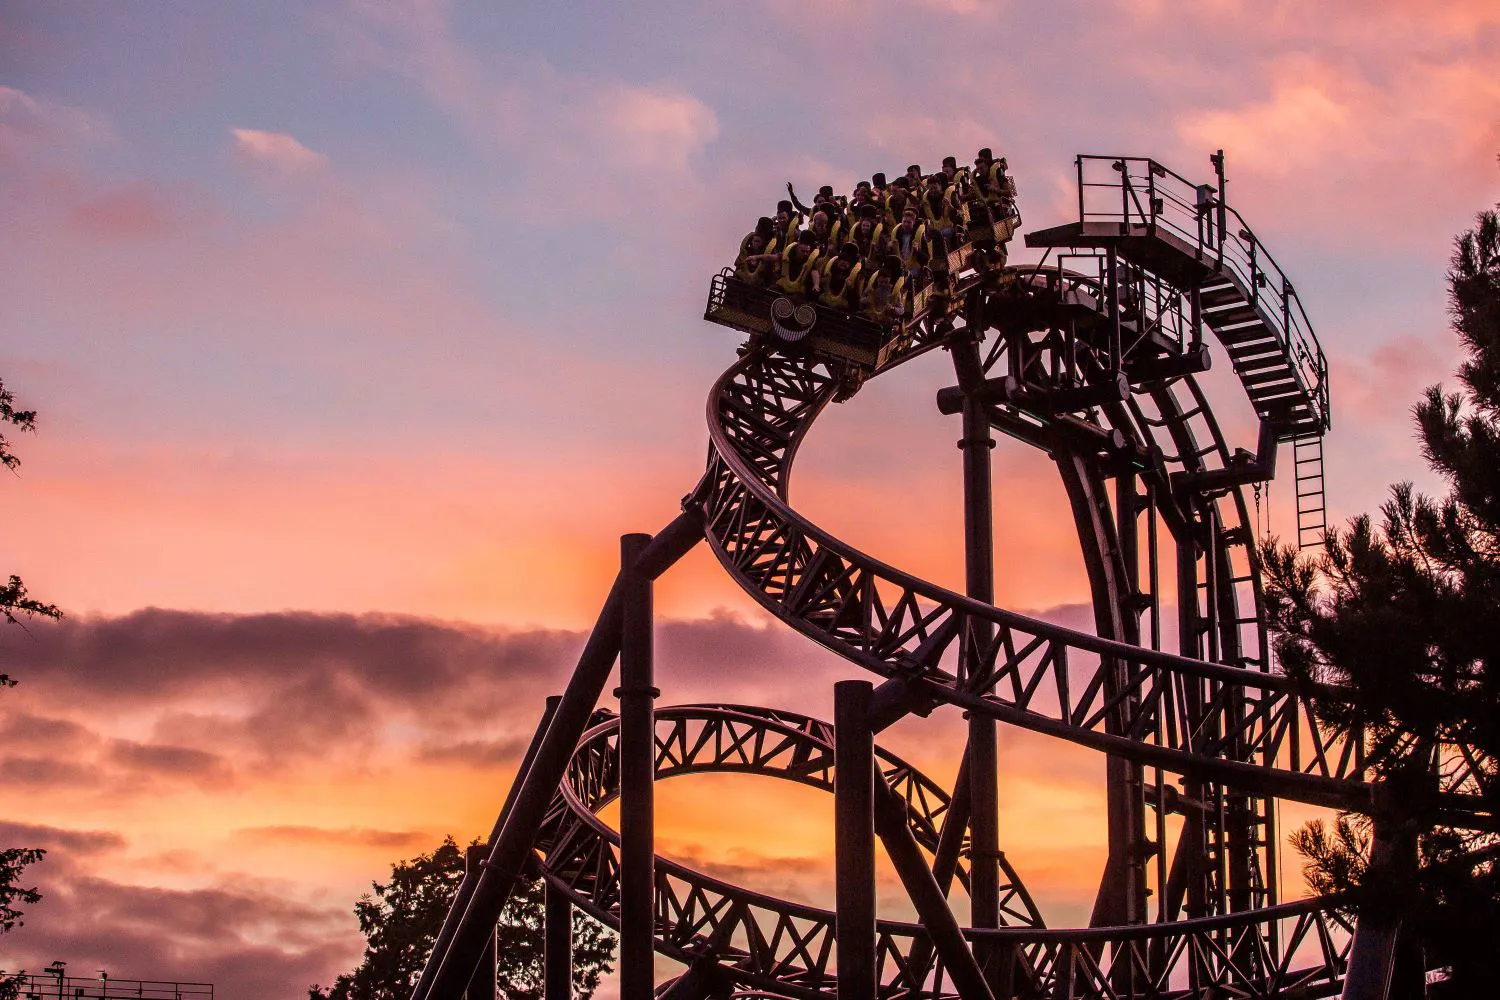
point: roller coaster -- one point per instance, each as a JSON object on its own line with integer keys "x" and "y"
{"x": 1093, "y": 355}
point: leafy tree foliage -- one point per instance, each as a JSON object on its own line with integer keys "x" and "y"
{"x": 401, "y": 920}
{"x": 1403, "y": 616}
{"x": 14, "y": 602}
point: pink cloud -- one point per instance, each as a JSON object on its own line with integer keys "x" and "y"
{"x": 277, "y": 150}
{"x": 26, "y": 119}
{"x": 653, "y": 127}
{"x": 135, "y": 211}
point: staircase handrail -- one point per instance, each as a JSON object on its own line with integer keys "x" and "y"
{"x": 1157, "y": 197}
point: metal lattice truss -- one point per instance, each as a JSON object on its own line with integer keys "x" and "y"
{"x": 1252, "y": 729}
{"x": 759, "y": 941}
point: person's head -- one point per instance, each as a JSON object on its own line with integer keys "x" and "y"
{"x": 878, "y": 181}
{"x": 984, "y": 158}
{"x": 784, "y": 210}
{"x": 909, "y": 216}
{"x": 847, "y": 258}
{"x": 914, "y": 173}
{"x": 1004, "y": 166}
{"x": 765, "y": 229}
{"x": 890, "y": 266}
{"x": 950, "y": 167}
{"x": 825, "y": 193}
{"x": 820, "y": 223}
{"x": 756, "y": 243}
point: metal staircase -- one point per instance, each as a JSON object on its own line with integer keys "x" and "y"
{"x": 1160, "y": 221}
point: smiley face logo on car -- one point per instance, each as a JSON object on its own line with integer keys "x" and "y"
{"x": 792, "y": 322}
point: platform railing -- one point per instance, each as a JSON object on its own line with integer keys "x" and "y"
{"x": 1133, "y": 190}
{"x": 51, "y": 986}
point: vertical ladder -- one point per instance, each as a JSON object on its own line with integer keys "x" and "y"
{"x": 1312, "y": 510}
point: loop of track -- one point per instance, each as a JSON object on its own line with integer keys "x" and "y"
{"x": 778, "y": 948}
{"x": 1259, "y": 734}
{"x": 763, "y": 940}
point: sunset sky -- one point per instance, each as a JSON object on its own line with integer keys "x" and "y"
{"x": 360, "y": 331}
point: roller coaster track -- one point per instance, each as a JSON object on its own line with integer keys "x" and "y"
{"x": 775, "y": 948}
{"x": 1258, "y": 731}
{"x": 1100, "y": 370}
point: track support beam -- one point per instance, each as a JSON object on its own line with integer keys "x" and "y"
{"x": 557, "y": 936}
{"x": 637, "y": 694}
{"x": 448, "y": 970}
{"x": 979, "y": 572}
{"x": 482, "y": 982}
{"x": 854, "y": 846}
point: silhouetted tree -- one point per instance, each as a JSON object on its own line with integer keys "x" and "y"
{"x": 1405, "y": 618}
{"x": 401, "y": 920}
{"x": 16, "y": 603}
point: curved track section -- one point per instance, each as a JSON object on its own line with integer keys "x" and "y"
{"x": 762, "y": 941}
{"x": 769, "y": 947}
{"x": 1256, "y": 731}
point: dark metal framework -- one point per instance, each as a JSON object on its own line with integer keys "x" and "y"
{"x": 1092, "y": 356}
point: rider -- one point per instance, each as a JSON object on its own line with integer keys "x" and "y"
{"x": 868, "y": 235}
{"x": 799, "y": 267}
{"x": 824, "y": 229}
{"x": 908, "y": 239}
{"x": 839, "y": 282}
{"x": 897, "y": 201}
{"x": 758, "y": 257}
{"x": 788, "y": 221}
{"x": 884, "y": 295}
{"x": 939, "y": 207}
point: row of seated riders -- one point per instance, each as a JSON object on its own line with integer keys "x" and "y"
{"x": 868, "y": 254}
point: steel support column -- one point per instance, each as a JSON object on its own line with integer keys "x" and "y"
{"x": 854, "y": 844}
{"x": 482, "y": 982}
{"x": 637, "y": 695}
{"x": 557, "y": 937}
{"x": 448, "y": 971}
{"x": 979, "y": 573}
{"x": 1384, "y": 962}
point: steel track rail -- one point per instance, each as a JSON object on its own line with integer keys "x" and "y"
{"x": 1045, "y": 677}
{"x": 783, "y": 948}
